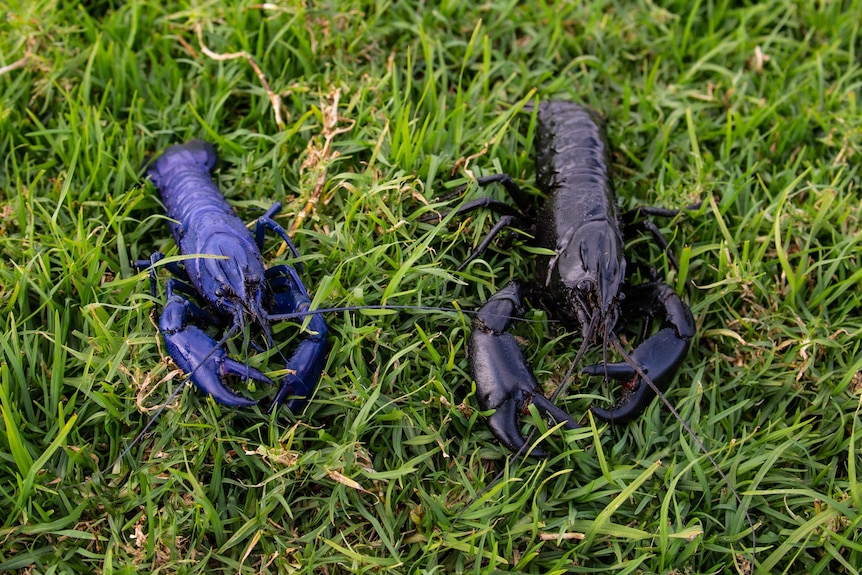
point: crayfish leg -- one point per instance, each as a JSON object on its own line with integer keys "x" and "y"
{"x": 512, "y": 218}
{"x": 150, "y": 266}
{"x": 266, "y": 221}
{"x": 631, "y": 223}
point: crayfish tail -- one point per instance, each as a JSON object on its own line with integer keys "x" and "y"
{"x": 202, "y": 151}
{"x": 197, "y": 152}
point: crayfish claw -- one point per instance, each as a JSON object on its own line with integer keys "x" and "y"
{"x": 220, "y": 392}
{"x": 305, "y": 366}
{"x": 198, "y": 354}
{"x": 629, "y": 408}
{"x": 546, "y": 407}
{"x": 304, "y": 370}
{"x": 658, "y": 358}
{"x": 619, "y": 371}
{"x": 504, "y": 381}
{"x": 503, "y": 423}
{"x": 232, "y": 367}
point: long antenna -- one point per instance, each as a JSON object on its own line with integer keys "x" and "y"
{"x": 696, "y": 439}
{"x": 301, "y": 314}
{"x": 276, "y": 317}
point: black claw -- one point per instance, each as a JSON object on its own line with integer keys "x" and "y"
{"x": 619, "y": 371}
{"x": 658, "y": 357}
{"x": 545, "y": 407}
{"x": 504, "y": 381}
{"x": 629, "y": 408}
{"x": 504, "y": 425}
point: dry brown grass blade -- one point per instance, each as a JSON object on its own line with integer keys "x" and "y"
{"x": 464, "y": 161}
{"x": 318, "y": 156}
{"x": 29, "y": 51}
{"x": 274, "y": 99}
{"x": 20, "y": 63}
{"x": 346, "y": 481}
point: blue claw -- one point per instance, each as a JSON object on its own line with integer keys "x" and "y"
{"x": 306, "y": 364}
{"x": 225, "y": 274}
{"x": 198, "y": 354}
{"x": 304, "y": 368}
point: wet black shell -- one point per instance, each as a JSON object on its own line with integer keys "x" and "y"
{"x": 573, "y": 168}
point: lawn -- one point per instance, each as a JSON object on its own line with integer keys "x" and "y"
{"x": 360, "y": 117}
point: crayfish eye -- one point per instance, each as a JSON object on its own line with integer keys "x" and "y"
{"x": 222, "y": 291}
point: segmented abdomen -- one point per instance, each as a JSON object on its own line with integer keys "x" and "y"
{"x": 572, "y": 167}
{"x": 182, "y": 175}
{"x": 206, "y": 224}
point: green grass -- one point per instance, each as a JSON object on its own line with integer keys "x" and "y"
{"x": 751, "y": 108}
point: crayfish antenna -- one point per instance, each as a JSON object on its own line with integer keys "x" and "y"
{"x": 241, "y": 370}
{"x": 588, "y": 336}
{"x": 633, "y": 364}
